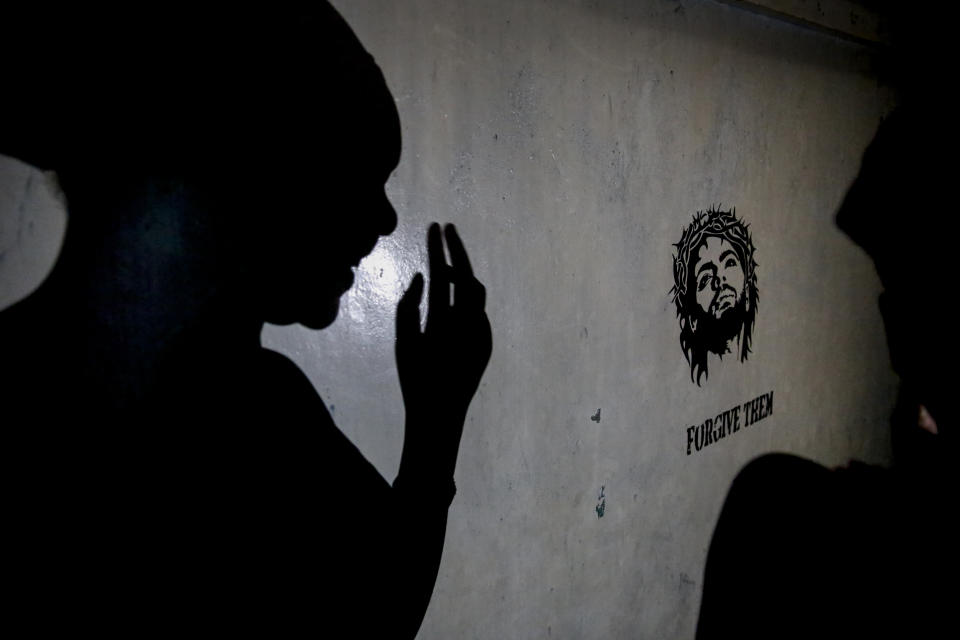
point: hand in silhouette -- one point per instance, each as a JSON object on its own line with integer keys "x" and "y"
{"x": 440, "y": 368}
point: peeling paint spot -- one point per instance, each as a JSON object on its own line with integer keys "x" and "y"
{"x": 602, "y": 503}
{"x": 596, "y": 417}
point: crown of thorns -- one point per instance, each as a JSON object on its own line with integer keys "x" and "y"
{"x": 712, "y": 222}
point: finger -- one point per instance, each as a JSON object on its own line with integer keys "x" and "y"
{"x": 471, "y": 294}
{"x": 458, "y": 254}
{"x": 468, "y": 290}
{"x": 439, "y": 295}
{"x": 408, "y": 309}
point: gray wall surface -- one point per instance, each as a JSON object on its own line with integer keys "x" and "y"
{"x": 571, "y": 143}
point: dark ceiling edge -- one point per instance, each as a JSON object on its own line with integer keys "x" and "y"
{"x": 755, "y": 8}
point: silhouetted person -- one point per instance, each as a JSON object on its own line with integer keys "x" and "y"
{"x": 165, "y": 471}
{"x": 804, "y": 551}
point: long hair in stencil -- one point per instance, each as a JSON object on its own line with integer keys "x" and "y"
{"x": 715, "y": 288}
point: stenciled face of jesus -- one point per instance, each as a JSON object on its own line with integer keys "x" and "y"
{"x": 718, "y": 276}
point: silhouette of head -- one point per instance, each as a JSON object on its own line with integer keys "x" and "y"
{"x": 715, "y": 287}
{"x": 276, "y": 131}
{"x": 899, "y": 210}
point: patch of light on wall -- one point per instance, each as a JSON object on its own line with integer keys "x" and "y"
{"x": 33, "y": 222}
{"x": 381, "y": 278}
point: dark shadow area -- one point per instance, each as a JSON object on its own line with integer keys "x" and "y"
{"x": 801, "y": 550}
{"x": 165, "y": 472}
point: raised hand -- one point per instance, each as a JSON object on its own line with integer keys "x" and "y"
{"x": 440, "y": 368}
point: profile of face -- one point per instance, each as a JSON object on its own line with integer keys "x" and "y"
{"x": 280, "y": 164}
{"x": 328, "y": 210}
{"x": 718, "y": 276}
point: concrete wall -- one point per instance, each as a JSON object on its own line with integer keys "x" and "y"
{"x": 571, "y": 143}
{"x": 32, "y": 224}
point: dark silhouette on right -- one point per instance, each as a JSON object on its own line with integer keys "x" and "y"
{"x": 804, "y": 551}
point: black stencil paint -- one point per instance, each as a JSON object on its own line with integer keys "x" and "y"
{"x": 728, "y": 422}
{"x": 715, "y": 288}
